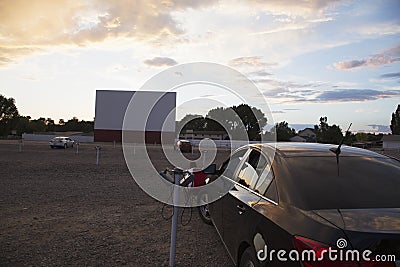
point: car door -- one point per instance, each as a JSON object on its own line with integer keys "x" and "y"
{"x": 227, "y": 172}
{"x": 264, "y": 219}
{"x": 239, "y": 218}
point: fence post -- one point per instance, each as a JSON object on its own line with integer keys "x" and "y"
{"x": 20, "y": 145}
{"x": 177, "y": 177}
{"x": 97, "y": 154}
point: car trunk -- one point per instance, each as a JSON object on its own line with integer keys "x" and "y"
{"x": 377, "y": 230}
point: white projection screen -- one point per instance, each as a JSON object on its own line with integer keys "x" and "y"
{"x": 111, "y": 106}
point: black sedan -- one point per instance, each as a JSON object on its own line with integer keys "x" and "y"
{"x": 306, "y": 206}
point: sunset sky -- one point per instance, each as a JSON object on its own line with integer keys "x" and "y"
{"x": 339, "y": 59}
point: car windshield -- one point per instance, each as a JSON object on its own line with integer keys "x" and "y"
{"x": 363, "y": 182}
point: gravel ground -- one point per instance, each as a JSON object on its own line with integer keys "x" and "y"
{"x": 58, "y": 208}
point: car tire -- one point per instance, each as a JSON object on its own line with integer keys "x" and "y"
{"x": 52, "y": 147}
{"x": 205, "y": 214}
{"x": 65, "y": 146}
{"x": 249, "y": 259}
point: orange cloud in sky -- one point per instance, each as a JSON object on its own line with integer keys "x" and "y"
{"x": 29, "y": 25}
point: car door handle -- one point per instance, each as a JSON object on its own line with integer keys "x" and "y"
{"x": 241, "y": 209}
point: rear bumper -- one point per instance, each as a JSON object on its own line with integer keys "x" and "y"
{"x": 57, "y": 144}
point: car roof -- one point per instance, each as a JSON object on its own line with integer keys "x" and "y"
{"x": 289, "y": 149}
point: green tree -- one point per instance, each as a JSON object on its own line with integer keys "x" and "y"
{"x": 224, "y": 116}
{"x": 8, "y": 114}
{"x": 212, "y": 125}
{"x": 26, "y": 125}
{"x": 240, "y": 119}
{"x": 283, "y": 131}
{"x": 327, "y": 134}
{"x": 395, "y": 122}
{"x": 253, "y": 120}
{"x": 193, "y": 122}
{"x": 22, "y": 125}
{"x": 235, "y": 120}
{"x": 50, "y": 125}
{"x": 38, "y": 125}
{"x": 73, "y": 124}
{"x": 367, "y": 137}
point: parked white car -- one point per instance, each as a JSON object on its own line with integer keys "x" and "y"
{"x": 61, "y": 141}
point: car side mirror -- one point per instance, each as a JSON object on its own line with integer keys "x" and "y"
{"x": 212, "y": 169}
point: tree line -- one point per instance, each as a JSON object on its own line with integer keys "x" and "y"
{"x": 236, "y": 119}
{"x": 254, "y": 121}
{"x": 325, "y": 133}
{"x": 12, "y": 122}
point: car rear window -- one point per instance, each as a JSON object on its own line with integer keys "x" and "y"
{"x": 363, "y": 182}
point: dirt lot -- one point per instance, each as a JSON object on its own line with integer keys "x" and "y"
{"x": 58, "y": 208}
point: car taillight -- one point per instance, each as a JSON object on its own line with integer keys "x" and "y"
{"x": 305, "y": 244}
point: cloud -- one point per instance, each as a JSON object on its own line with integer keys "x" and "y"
{"x": 389, "y": 56}
{"x": 351, "y": 95}
{"x": 365, "y": 111}
{"x": 370, "y": 62}
{"x": 290, "y": 95}
{"x": 253, "y": 61}
{"x": 390, "y": 75}
{"x": 295, "y": 8}
{"x": 8, "y": 55}
{"x": 4, "y": 60}
{"x": 299, "y": 24}
{"x": 44, "y": 23}
{"x": 285, "y": 84}
{"x": 300, "y": 95}
{"x": 28, "y": 78}
{"x": 300, "y": 126}
{"x": 380, "y": 128}
{"x": 160, "y": 62}
{"x": 386, "y": 28}
{"x": 316, "y": 91}
{"x": 260, "y": 73}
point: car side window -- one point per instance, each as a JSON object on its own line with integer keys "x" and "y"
{"x": 251, "y": 170}
{"x": 272, "y": 192}
{"x": 229, "y": 166}
{"x": 265, "y": 177}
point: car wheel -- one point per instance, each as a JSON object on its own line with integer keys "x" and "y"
{"x": 205, "y": 214}
{"x": 248, "y": 259}
{"x": 52, "y": 147}
{"x": 65, "y": 146}
{"x": 72, "y": 145}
